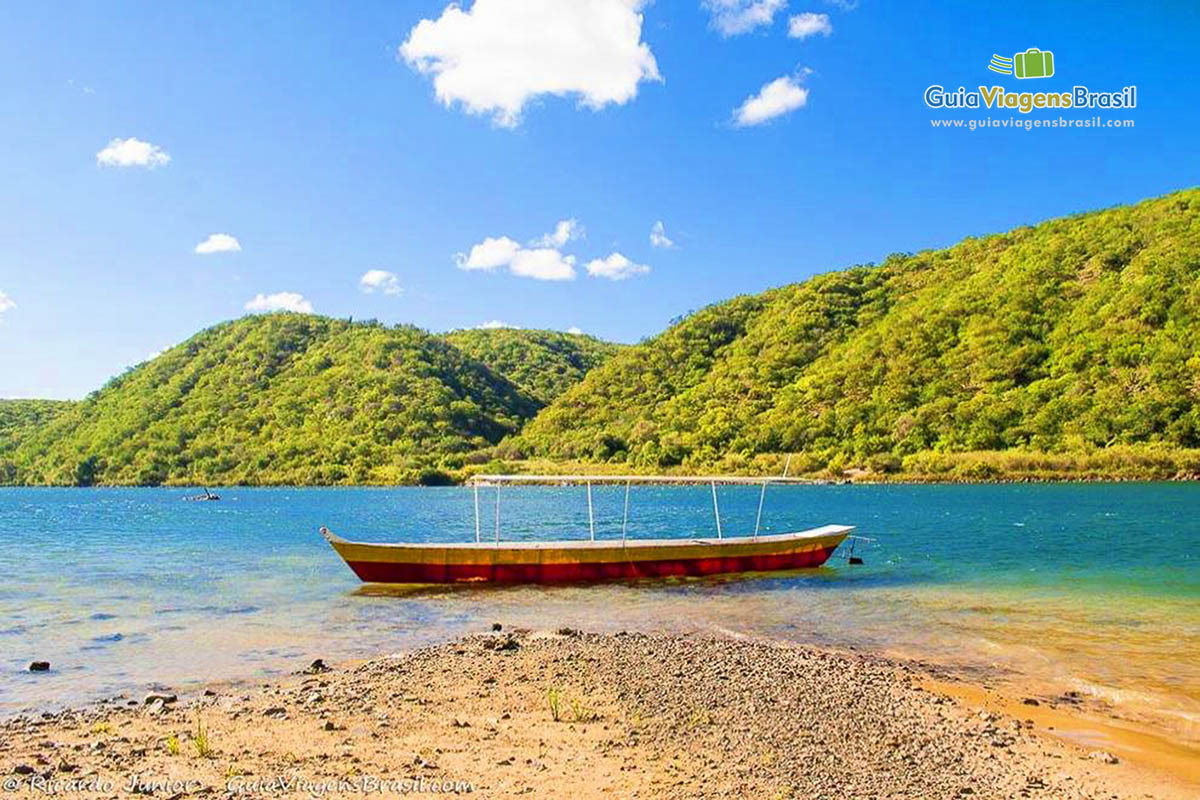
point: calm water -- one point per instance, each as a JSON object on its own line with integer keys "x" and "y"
{"x": 1095, "y": 587}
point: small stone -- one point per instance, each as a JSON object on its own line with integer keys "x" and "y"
{"x": 278, "y": 712}
{"x": 317, "y": 666}
{"x": 23, "y": 769}
{"x": 159, "y": 697}
{"x": 496, "y": 626}
{"x": 39, "y": 666}
{"x": 1104, "y": 757}
{"x": 1031, "y": 701}
{"x": 328, "y": 726}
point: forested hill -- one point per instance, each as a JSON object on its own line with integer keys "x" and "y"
{"x": 543, "y": 363}
{"x": 20, "y": 415}
{"x": 1077, "y": 334}
{"x": 279, "y": 398}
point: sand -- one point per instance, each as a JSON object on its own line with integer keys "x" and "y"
{"x": 564, "y": 714}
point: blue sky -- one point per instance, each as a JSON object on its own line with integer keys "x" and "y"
{"x": 306, "y": 133}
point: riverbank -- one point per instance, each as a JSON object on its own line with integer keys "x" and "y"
{"x": 584, "y": 715}
{"x": 1116, "y": 464}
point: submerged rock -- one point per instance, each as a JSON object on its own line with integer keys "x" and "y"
{"x": 39, "y": 666}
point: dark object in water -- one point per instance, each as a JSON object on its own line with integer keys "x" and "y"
{"x": 855, "y": 560}
{"x": 206, "y": 496}
{"x": 39, "y": 666}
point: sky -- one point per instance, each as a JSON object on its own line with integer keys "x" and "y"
{"x": 587, "y": 165}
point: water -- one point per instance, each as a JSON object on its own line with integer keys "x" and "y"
{"x": 1093, "y": 587}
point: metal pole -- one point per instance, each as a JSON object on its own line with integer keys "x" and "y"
{"x": 787, "y": 464}
{"x": 716, "y": 509}
{"x": 761, "y": 496}
{"x": 625, "y": 520}
{"x": 591, "y": 517}
{"x": 497, "y": 513}
{"x": 476, "y": 487}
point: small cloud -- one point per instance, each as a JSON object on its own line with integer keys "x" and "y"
{"x": 497, "y": 56}
{"x": 280, "y": 301}
{"x": 6, "y": 303}
{"x": 565, "y": 231}
{"x": 492, "y": 324}
{"x": 615, "y": 267}
{"x": 219, "y": 243}
{"x": 575, "y": 331}
{"x": 542, "y": 261}
{"x": 775, "y": 99}
{"x": 543, "y": 264}
{"x": 489, "y": 254}
{"x": 802, "y": 26}
{"x": 735, "y": 17}
{"x": 132, "y": 153}
{"x": 658, "y": 236}
{"x": 380, "y": 280}
{"x": 844, "y": 5}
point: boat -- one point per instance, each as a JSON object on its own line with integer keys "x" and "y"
{"x": 206, "y": 497}
{"x": 592, "y": 559}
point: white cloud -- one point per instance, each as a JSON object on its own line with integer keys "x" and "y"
{"x": 498, "y": 55}
{"x": 575, "y": 331}
{"x": 492, "y": 324}
{"x": 380, "y": 280}
{"x": 735, "y": 17}
{"x": 280, "y": 301}
{"x": 132, "y": 152}
{"x": 543, "y": 264}
{"x": 802, "y": 26}
{"x": 489, "y": 254}
{"x": 616, "y": 267}
{"x": 6, "y": 303}
{"x": 658, "y": 236}
{"x": 219, "y": 243}
{"x": 543, "y": 260}
{"x": 565, "y": 231}
{"x": 774, "y": 99}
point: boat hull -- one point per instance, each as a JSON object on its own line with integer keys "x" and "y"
{"x": 568, "y": 562}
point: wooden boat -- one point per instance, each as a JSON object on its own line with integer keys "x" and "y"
{"x": 591, "y": 559}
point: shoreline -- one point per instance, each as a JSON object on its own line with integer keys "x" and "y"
{"x": 645, "y": 715}
{"x": 874, "y": 479}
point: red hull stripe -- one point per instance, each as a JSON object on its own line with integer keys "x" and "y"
{"x": 393, "y": 572}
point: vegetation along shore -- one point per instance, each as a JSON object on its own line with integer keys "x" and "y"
{"x": 585, "y": 715}
{"x": 1062, "y": 351}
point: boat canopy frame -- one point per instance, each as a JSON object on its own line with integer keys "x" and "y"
{"x": 484, "y": 480}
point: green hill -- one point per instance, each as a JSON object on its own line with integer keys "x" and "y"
{"x": 16, "y": 415}
{"x": 1076, "y": 335}
{"x": 279, "y": 398}
{"x": 543, "y": 363}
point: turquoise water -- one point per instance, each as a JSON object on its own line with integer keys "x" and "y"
{"x": 1095, "y": 586}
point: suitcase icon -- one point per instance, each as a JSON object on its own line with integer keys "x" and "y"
{"x": 1033, "y": 63}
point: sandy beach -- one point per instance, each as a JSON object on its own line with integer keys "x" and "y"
{"x": 564, "y": 713}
